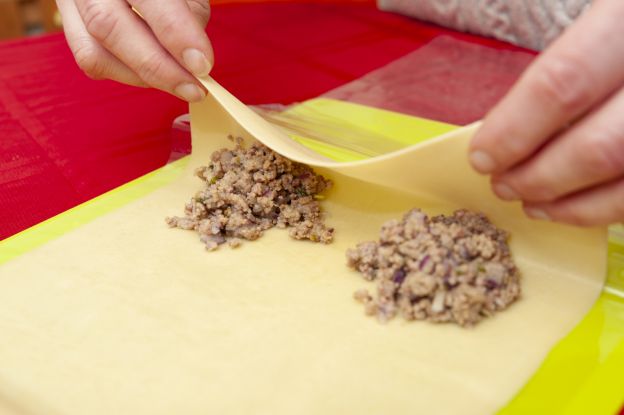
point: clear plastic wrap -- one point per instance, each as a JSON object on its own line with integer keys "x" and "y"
{"x": 449, "y": 81}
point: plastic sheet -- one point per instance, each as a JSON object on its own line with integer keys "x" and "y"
{"x": 447, "y": 82}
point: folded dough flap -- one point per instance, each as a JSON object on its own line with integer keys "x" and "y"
{"x": 438, "y": 170}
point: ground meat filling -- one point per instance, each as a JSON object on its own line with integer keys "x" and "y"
{"x": 249, "y": 190}
{"x": 454, "y": 268}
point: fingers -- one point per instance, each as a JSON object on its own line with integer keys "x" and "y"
{"x": 176, "y": 27}
{"x": 95, "y": 61}
{"x": 127, "y": 37}
{"x": 588, "y": 154}
{"x": 560, "y": 86}
{"x": 600, "y": 206}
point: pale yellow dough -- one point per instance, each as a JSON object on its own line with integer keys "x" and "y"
{"x": 126, "y": 316}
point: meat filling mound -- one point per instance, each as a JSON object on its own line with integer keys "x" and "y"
{"x": 455, "y": 268}
{"x": 249, "y": 190}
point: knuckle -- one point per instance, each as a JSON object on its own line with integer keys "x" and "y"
{"x": 510, "y": 148}
{"x": 534, "y": 185}
{"x": 200, "y": 8}
{"x": 150, "y": 68}
{"x": 88, "y": 60}
{"x": 534, "y": 190}
{"x": 604, "y": 154}
{"x": 166, "y": 25}
{"x": 564, "y": 82}
{"x": 100, "y": 21}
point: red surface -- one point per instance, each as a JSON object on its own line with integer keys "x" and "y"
{"x": 65, "y": 139}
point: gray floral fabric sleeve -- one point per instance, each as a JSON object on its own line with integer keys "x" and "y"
{"x": 529, "y": 23}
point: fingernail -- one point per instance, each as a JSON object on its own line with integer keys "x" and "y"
{"x": 190, "y": 92}
{"x": 505, "y": 192}
{"x": 196, "y": 62}
{"x": 482, "y": 161}
{"x": 535, "y": 213}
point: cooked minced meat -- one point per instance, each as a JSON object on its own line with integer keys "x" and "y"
{"x": 249, "y": 190}
{"x": 454, "y": 268}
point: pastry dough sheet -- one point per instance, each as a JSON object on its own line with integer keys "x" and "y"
{"x": 124, "y": 315}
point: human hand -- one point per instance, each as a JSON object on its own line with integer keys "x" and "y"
{"x": 110, "y": 41}
{"x": 556, "y": 141}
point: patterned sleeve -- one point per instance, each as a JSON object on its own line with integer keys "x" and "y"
{"x": 529, "y": 23}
